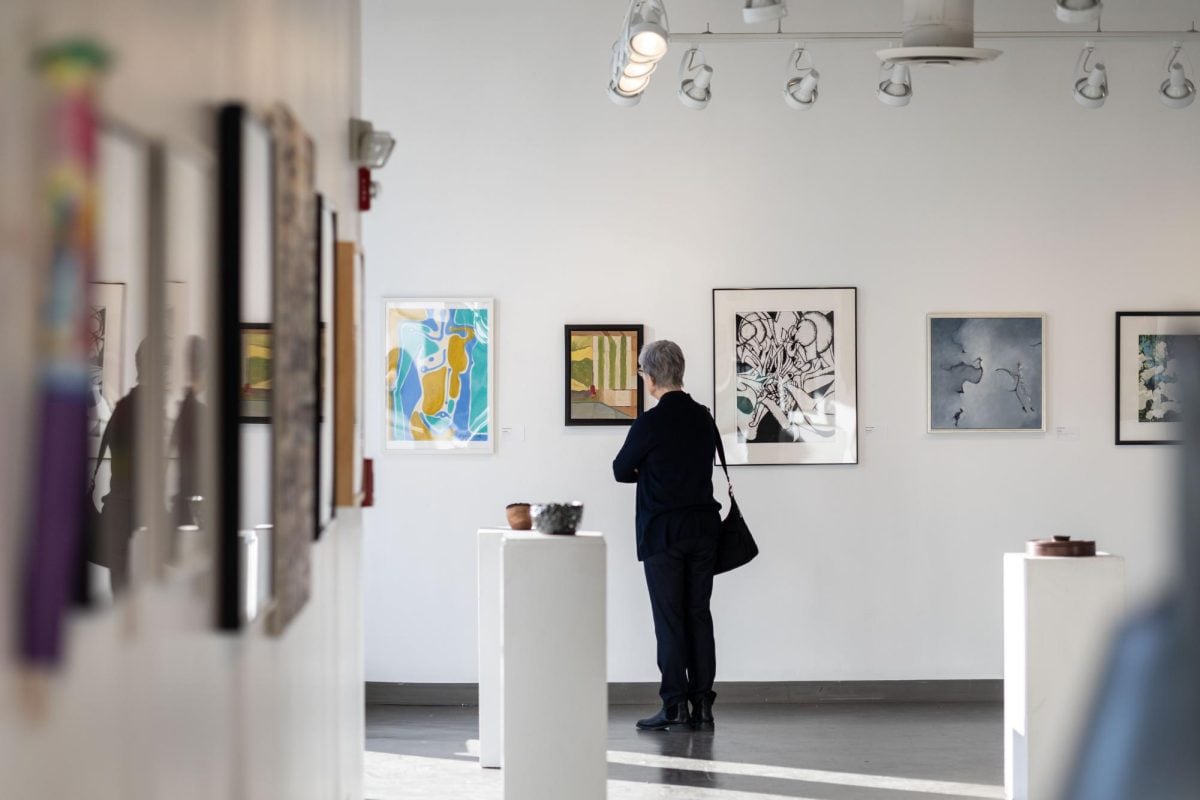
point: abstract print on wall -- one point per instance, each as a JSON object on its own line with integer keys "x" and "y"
{"x": 602, "y": 382}
{"x": 785, "y": 375}
{"x": 1151, "y": 348}
{"x": 438, "y": 391}
{"x": 986, "y": 372}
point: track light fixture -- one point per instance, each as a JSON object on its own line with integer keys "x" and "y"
{"x": 1176, "y": 91}
{"x": 763, "y": 10}
{"x": 800, "y": 91}
{"x": 896, "y": 88}
{"x": 1091, "y": 90}
{"x": 1074, "y": 12}
{"x": 695, "y": 80}
{"x": 643, "y": 43}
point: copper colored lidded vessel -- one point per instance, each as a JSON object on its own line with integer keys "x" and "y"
{"x": 1060, "y": 546}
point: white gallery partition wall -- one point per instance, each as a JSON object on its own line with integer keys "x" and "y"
{"x": 993, "y": 191}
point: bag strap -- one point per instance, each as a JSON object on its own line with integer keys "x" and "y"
{"x": 721, "y": 454}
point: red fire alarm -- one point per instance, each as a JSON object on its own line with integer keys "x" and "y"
{"x": 364, "y": 189}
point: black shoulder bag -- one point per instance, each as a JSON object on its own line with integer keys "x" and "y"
{"x": 737, "y": 545}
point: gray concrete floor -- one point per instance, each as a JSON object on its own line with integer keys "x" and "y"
{"x": 758, "y": 752}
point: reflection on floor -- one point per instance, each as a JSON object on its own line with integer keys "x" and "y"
{"x": 759, "y": 752}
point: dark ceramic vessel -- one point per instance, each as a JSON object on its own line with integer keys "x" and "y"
{"x": 557, "y": 518}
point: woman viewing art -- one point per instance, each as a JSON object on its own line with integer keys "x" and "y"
{"x": 669, "y": 454}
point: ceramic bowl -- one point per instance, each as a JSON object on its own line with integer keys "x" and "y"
{"x": 558, "y": 518}
{"x": 518, "y": 516}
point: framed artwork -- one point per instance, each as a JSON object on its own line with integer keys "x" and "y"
{"x": 245, "y": 253}
{"x": 785, "y": 375}
{"x": 346, "y": 399}
{"x": 603, "y": 386}
{"x": 105, "y": 356}
{"x": 258, "y": 340}
{"x": 439, "y": 388}
{"x": 326, "y": 251}
{"x": 1150, "y": 347}
{"x": 295, "y": 372}
{"x": 986, "y": 373}
{"x": 256, "y": 364}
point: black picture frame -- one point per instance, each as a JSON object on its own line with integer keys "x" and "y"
{"x": 1118, "y": 439}
{"x": 326, "y": 508}
{"x": 568, "y": 330}
{"x": 857, "y": 436}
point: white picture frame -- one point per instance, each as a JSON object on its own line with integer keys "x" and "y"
{"x": 450, "y": 324}
{"x": 785, "y": 375}
{"x": 998, "y": 341}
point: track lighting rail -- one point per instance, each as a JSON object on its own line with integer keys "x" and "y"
{"x": 706, "y": 37}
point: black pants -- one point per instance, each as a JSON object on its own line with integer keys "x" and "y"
{"x": 680, "y": 582}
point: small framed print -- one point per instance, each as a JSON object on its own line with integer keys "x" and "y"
{"x": 986, "y": 373}
{"x": 1151, "y": 346}
{"x": 603, "y": 386}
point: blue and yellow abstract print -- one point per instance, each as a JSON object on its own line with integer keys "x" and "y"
{"x": 438, "y": 375}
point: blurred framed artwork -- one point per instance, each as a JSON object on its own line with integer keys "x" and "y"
{"x": 603, "y": 386}
{"x": 255, "y": 357}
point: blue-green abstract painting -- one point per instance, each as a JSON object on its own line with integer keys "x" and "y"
{"x": 439, "y": 375}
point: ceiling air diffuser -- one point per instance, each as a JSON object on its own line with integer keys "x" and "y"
{"x": 938, "y": 32}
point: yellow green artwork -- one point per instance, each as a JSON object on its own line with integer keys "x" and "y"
{"x": 256, "y": 373}
{"x": 603, "y": 387}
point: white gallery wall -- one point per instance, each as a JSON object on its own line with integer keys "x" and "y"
{"x": 515, "y": 178}
{"x": 151, "y": 701}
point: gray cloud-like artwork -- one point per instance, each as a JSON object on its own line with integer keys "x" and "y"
{"x": 986, "y": 373}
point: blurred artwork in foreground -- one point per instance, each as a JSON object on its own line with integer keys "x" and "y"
{"x": 70, "y": 73}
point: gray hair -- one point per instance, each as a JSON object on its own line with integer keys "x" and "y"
{"x": 663, "y": 361}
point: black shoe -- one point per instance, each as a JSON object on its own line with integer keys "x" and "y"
{"x": 670, "y": 718}
{"x": 702, "y": 716}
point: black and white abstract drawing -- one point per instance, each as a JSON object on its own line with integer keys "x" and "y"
{"x": 786, "y": 375}
{"x": 987, "y": 373}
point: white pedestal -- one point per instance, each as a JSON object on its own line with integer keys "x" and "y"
{"x": 554, "y": 669}
{"x": 1059, "y": 618}
{"x": 490, "y": 714}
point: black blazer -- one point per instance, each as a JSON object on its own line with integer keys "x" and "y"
{"x": 669, "y": 455}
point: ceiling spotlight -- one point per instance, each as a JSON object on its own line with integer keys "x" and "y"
{"x": 896, "y": 89}
{"x": 1092, "y": 89}
{"x": 1176, "y": 91}
{"x": 800, "y": 91}
{"x": 1074, "y": 12}
{"x": 643, "y": 43}
{"x": 763, "y": 10}
{"x": 695, "y": 91}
